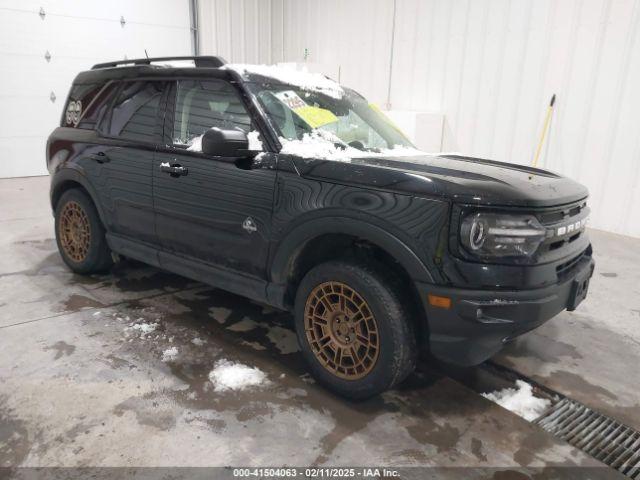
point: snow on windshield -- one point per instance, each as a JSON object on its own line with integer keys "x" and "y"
{"x": 323, "y": 145}
{"x": 287, "y": 73}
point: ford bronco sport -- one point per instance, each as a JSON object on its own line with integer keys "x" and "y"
{"x": 291, "y": 190}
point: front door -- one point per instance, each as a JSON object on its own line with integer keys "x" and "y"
{"x": 208, "y": 209}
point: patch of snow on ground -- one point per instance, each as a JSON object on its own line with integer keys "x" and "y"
{"x": 319, "y": 144}
{"x": 170, "y": 354}
{"x": 145, "y": 328}
{"x": 520, "y": 400}
{"x": 228, "y": 375}
{"x": 198, "y": 341}
{"x": 289, "y": 74}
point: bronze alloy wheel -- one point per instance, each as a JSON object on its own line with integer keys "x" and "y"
{"x": 75, "y": 231}
{"x": 341, "y": 330}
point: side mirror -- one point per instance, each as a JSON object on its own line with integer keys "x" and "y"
{"x": 225, "y": 143}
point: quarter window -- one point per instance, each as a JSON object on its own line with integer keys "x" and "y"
{"x": 201, "y": 105}
{"x": 135, "y": 111}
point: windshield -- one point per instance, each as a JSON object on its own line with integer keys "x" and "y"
{"x": 348, "y": 120}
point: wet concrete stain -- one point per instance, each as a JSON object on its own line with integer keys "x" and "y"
{"x": 77, "y": 302}
{"x": 510, "y": 475}
{"x": 62, "y": 349}
{"x": 443, "y": 437}
{"x": 117, "y": 362}
{"x": 476, "y": 449}
{"x": 573, "y": 385}
{"x": 543, "y": 348}
{"x": 14, "y": 438}
{"x": 254, "y": 410}
{"x": 148, "y": 411}
{"x": 609, "y": 274}
{"x": 530, "y": 446}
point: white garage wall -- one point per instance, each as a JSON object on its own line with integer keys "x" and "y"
{"x": 77, "y": 34}
{"x": 490, "y": 66}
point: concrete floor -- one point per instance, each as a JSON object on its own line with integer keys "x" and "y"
{"x": 80, "y": 388}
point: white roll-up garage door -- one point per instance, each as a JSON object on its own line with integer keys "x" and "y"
{"x": 44, "y": 44}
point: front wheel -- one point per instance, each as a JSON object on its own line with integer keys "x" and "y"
{"x": 354, "y": 329}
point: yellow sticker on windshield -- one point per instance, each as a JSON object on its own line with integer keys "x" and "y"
{"x": 384, "y": 116}
{"x": 315, "y": 117}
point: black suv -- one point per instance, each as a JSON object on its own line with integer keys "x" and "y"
{"x": 296, "y": 192}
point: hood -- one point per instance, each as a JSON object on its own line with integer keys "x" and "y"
{"x": 456, "y": 178}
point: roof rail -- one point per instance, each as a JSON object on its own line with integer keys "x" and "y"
{"x": 199, "y": 61}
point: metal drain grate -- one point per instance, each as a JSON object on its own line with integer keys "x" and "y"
{"x": 601, "y": 437}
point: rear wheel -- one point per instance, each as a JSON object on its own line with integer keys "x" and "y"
{"x": 354, "y": 329}
{"x": 80, "y": 235}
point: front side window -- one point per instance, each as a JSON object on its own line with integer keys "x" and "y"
{"x": 201, "y": 105}
{"x": 135, "y": 112}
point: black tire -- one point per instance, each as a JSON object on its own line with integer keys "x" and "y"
{"x": 396, "y": 344}
{"x": 97, "y": 256}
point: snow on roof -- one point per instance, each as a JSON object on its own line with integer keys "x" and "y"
{"x": 289, "y": 74}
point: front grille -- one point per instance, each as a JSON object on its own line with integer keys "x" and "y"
{"x": 558, "y": 244}
{"x": 557, "y": 215}
{"x": 603, "y": 438}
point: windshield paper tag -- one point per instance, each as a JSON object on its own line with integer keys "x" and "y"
{"x": 315, "y": 117}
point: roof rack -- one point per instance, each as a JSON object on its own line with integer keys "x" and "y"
{"x": 199, "y": 61}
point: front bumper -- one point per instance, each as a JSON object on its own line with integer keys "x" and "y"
{"x": 479, "y": 322}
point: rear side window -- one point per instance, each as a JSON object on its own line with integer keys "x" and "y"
{"x": 86, "y": 105}
{"x": 135, "y": 111}
{"x": 201, "y": 105}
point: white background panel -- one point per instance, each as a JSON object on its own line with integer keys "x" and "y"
{"x": 77, "y": 34}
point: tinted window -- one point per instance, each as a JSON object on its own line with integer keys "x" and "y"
{"x": 86, "y": 104}
{"x": 201, "y": 105}
{"x": 135, "y": 111}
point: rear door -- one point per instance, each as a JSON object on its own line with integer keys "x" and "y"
{"x": 217, "y": 212}
{"x": 123, "y": 163}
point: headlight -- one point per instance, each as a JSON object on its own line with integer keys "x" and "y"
{"x": 501, "y": 235}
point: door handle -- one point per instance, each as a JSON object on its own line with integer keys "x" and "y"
{"x": 175, "y": 170}
{"x": 99, "y": 157}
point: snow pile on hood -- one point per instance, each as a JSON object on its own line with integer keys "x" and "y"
{"x": 287, "y": 73}
{"x": 520, "y": 400}
{"x": 319, "y": 144}
{"x": 228, "y": 375}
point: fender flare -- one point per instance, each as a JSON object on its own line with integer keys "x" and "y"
{"x": 65, "y": 175}
{"x": 295, "y": 240}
